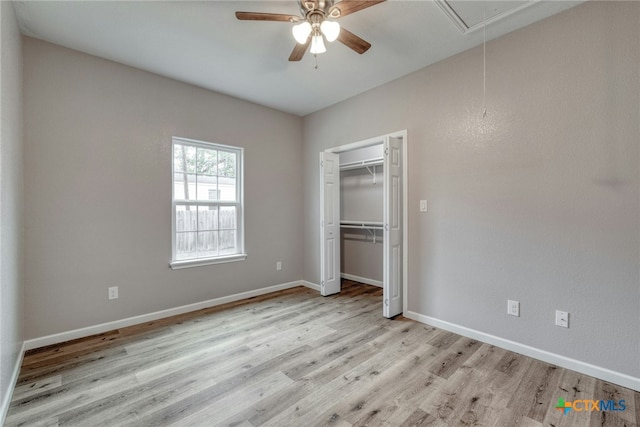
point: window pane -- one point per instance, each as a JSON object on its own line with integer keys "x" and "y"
{"x": 226, "y": 164}
{"x": 228, "y": 217}
{"x": 227, "y": 187}
{"x": 227, "y": 244}
{"x": 184, "y": 158}
{"x": 185, "y": 245}
{"x": 186, "y": 218}
{"x": 207, "y": 162}
{"x": 184, "y": 186}
{"x": 213, "y": 194}
{"x": 207, "y": 244}
{"x": 207, "y": 187}
{"x": 207, "y": 218}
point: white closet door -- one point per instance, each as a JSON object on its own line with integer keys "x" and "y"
{"x": 392, "y": 242}
{"x": 330, "y": 223}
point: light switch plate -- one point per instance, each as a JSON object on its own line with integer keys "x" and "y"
{"x": 423, "y": 205}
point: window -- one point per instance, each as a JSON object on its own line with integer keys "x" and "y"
{"x": 207, "y": 203}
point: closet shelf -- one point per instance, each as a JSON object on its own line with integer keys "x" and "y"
{"x": 362, "y": 164}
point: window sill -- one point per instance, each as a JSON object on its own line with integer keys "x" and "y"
{"x": 177, "y": 265}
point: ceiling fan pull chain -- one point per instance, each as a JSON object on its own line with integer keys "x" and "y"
{"x": 316, "y": 59}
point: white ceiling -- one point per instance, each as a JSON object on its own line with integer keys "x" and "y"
{"x": 202, "y": 43}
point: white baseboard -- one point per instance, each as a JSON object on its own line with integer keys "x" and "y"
{"x": 310, "y": 285}
{"x": 605, "y": 374}
{"x": 364, "y": 280}
{"x": 12, "y": 385}
{"x": 123, "y": 323}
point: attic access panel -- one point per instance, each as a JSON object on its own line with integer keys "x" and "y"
{"x": 470, "y": 15}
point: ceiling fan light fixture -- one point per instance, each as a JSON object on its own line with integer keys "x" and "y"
{"x": 317, "y": 45}
{"x": 315, "y": 23}
{"x": 301, "y": 32}
{"x": 330, "y": 29}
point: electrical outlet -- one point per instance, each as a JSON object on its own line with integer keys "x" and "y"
{"x": 113, "y": 292}
{"x": 513, "y": 308}
{"x": 562, "y": 318}
{"x": 423, "y": 205}
{"x": 279, "y": 265}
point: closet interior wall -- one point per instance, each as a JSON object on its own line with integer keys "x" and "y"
{"x": 361, "y": 203}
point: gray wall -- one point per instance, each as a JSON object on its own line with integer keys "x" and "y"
{"x": 98, "y": 190}
{"x": 11, "y": 237}
{"x": 538, "y": 202}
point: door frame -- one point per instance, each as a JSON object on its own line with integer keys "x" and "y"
{"x": 405, "y": 196}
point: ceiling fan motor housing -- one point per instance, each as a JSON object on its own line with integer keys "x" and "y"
{"x": 319, "y": 6}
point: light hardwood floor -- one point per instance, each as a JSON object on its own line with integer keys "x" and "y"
{"x": 294, "y": 358}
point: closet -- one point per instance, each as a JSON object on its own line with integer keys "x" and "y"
{"x": 363, "y": 217}
{"x": 361, "y": 214}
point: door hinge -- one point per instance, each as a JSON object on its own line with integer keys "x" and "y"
{"x": 386, "y": 302}
{"x": 386, "y": 151}
{"x": 321, "y": 163}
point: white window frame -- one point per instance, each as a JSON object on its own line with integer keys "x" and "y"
{"x": 239, "y": 204}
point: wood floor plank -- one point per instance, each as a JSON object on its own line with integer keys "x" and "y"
{"x": 272, "y": 405}
{"x": 294, "y": 358}
{"x": 486, "y": 358}
{"x": 451, "y": 359}
{"x": 43, "y": 385}
{"x": 533, "y": 394}
{"x": 284, "y": 341}
{"x": 312, "y": 410}
{"x": 163, "y": 390}
{"x": 607, "y": 391}
{"x": 504, "y": 385}
{"x": 419, "y": 418}
{"x": 420, "y": 389}
{"x": 373, "y": 404}
{"x": 637, "y": 407}
{"x": 334, "y": 346}
{"x": 55, "y": 401}
{"x": 50, "y": 367}
{"x": 214, "y": 413}
{"x": 376, "y": 402}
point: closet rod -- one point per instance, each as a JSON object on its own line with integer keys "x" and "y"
{"x": 363, "y": 227}
{"x": 362, "y": 223}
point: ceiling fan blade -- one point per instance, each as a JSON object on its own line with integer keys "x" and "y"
{"x": 299, "y": 50}
{"x": 354, "y": 42}
{"x": 347, "y": 7}
{"x": 258, "y": 16}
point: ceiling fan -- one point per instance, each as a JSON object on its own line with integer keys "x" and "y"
{"x": 317, "y": 20}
